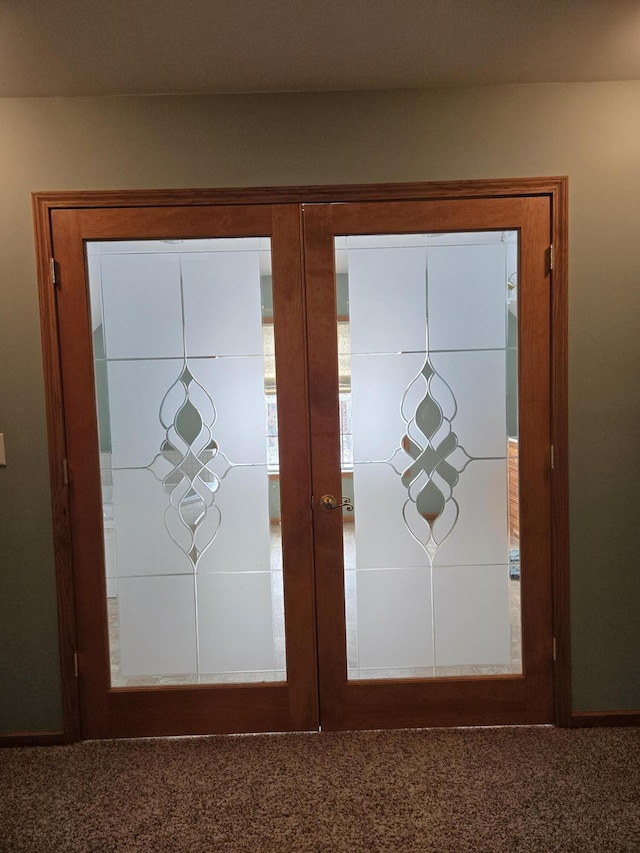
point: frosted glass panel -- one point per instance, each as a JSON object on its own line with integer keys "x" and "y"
{"x": 142, "y": 305}
{"x": 467, "y": 296}
{"x": 239, "y": 385}
{"x": 186, "y": 400}
{"x": 381, "y": 538}
{"x": 471, "y": 615}
{"x": 375, "y": 381}
{"x": 392, "y": 630}
{"x": 428, "y": 370}
{"x": 481, "y": 529}
{"x": 222, "y": 306}
{"x": 373, "y": 274}
{"x": 140, "y": 539}
{"x": 157, "y": 626}
{"x": 136, "y": 431}
{"x": 479, "y": 379}
{"x": 245, "y": 495}
{"x": 236, "y": 626}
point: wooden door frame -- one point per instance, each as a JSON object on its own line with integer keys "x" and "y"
{"x": 555, "y": 188}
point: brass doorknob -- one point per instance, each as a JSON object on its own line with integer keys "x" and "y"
{"x": 328, "y": 502}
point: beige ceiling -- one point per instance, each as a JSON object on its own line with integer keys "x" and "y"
{"x": 83, "y": 47}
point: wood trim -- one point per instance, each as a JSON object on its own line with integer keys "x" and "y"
{"x": 325, "y": 452}
{"x": 589, "y": 719}
{"x": 499, "y": 187}
{"x": 560, "y": 441}
{"x": 13, "y": 739}
{"x": 535, "y": 418}
{"x": 57, "y": 453}
{"x": 289, "y": 311}
{"x": 76, "y": 366}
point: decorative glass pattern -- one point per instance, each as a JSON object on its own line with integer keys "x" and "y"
{"x": 428, "y": 369}
{"x": 436, "y": 459}
{"x": 196, "y": 466}
{"x": 187, "y": 407}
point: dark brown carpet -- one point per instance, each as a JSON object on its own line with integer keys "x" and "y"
{"x": 509, "y": 789}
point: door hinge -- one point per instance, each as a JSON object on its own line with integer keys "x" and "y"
{"x": 52, "y": 266}
{"x": 75, "y": 664}
{"x": 555, "y": 648}
{"x": 552, "y": 256}
{"x": 65, "y": 472}
{"x": 552, "y": 457}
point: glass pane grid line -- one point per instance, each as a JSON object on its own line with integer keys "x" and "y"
{"x": 359, "y": 353}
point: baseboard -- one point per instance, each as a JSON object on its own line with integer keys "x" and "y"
{"x": 586, "y": 719}
{"x": 31, "y": 738}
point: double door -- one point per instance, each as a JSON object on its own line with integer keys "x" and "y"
{"x": 308, "y": 461}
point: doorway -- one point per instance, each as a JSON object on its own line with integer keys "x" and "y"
{"x": 307, "y": 451}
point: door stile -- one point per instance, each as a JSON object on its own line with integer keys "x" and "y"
{"x": 325, "y": 454}
{"x": 534, "y": 382}
{"x": 295, "y": 465}
{"x": 87, "y": 538}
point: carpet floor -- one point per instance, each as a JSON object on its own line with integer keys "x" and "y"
{"x": 503, "y": 789}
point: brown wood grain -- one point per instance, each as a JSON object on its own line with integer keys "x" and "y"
{"x": 514, "y": 487}
{"x": 325, "y": 430}
{"x": 295, "y": 466}
{"x": 534, "y": 420}
{"x": 498, "y": 187}
{"x": 85, "y": 494}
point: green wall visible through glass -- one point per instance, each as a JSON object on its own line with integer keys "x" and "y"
{"x": 102, "y": 391}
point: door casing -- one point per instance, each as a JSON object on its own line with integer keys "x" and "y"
{"x": 555, "y": 188}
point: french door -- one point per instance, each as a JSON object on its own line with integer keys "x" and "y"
{"x": 307, "y": 452}
{"x": 433, "y": 320}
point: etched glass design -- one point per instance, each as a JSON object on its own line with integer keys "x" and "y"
{"x": 186, "y": 466}
{"x": 186, "y": 400}
{"x": 428, "y": 367}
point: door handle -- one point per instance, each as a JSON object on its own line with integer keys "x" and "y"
{"x": 328, "y": 503}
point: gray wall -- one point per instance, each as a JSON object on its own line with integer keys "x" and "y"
{"x": 590, "y": 132}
